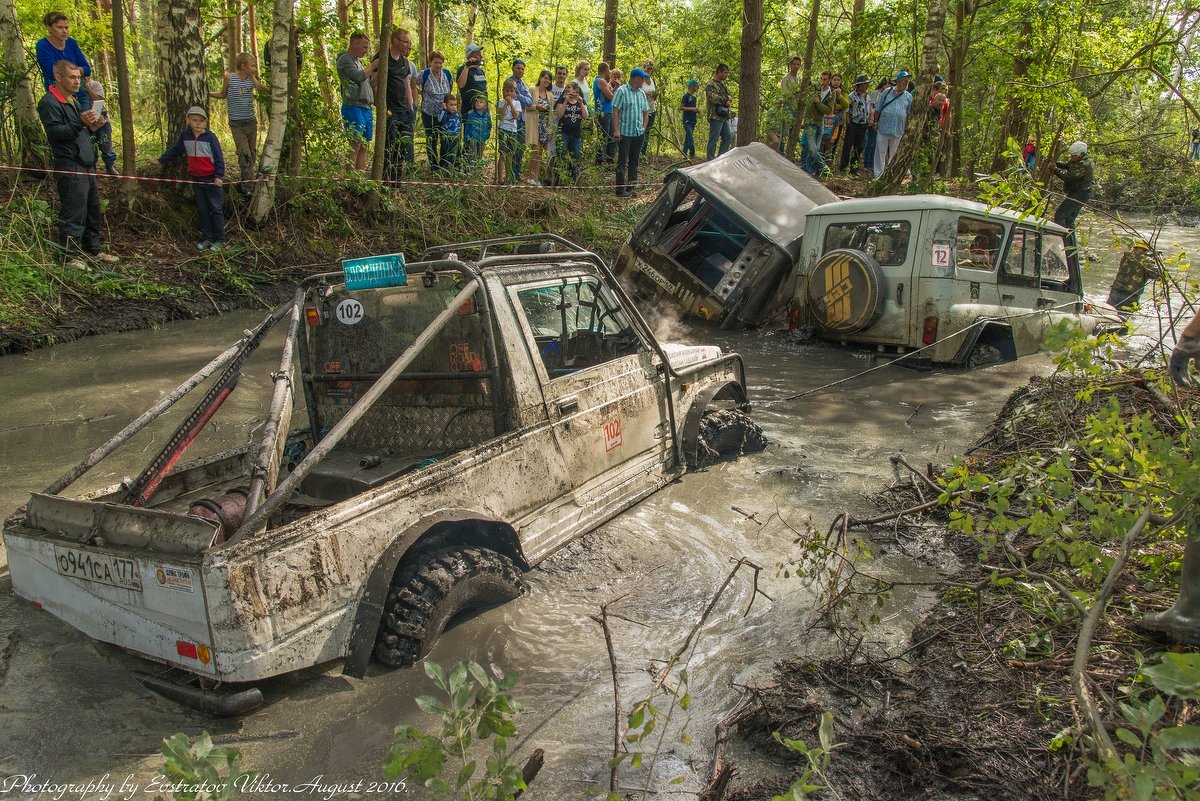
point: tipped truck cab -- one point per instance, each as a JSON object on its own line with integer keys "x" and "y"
{"x": 468, "y": 415}
{"x": 721, "y": 241}
{"x": 954, "y": 279}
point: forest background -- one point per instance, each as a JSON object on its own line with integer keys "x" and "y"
{"x": 1122, "y": 75}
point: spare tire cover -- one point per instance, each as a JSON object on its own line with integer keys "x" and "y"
{"x": 845, "y": 291}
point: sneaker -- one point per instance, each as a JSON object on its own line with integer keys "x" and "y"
{"x": 111, "y": 169}
{"x": 215, "y": 246}
{"x": 205, "y": 245}
{"x": 79, "y": 264}
{"x": 106, "y": 258}
{"x": 533, "y": 182}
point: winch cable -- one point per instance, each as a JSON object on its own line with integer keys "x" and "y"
{"x": 139, "y": 491}
{"x": 889, "y": 363}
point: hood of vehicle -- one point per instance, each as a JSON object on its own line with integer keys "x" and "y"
{"x": 682, "y": 356}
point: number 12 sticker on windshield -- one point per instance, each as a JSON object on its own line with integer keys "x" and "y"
{"x": 349, "y": 311}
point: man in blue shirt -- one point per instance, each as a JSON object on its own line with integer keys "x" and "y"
{"x": 630, "y": 115}
{"x": 525, "y": 99}
{"x": 891, "y": 111}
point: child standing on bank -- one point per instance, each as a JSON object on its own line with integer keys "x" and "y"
{"x": 477, "y": 128}
{"x": 688, "y": 106}
{"x": 206, "y": 168}
{"x": 103, "y": 134}
{"x": 450, "y": 125}
{"x": 508, "y": 112}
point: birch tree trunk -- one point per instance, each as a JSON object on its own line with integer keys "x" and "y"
{"x": 917, "y": 125}
{"x": 131, "y": 16}
{"x": 124, "y": 93}
{"x": 104, "y": 7}
{"x": 316, "y": 29}
{"x": 252, "y": 24}
{"x": 31, "y": 147}
{"x": 268, "y": 165}
{"x": 181, "y": 60}
{"x": 426, "y": 29}
{"x": 750, "y": 80}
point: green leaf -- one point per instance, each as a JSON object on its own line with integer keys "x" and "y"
{"x": 678, "y": 780}
{"x": 434, "y": 671}
{"x": 685, "y": 738}
{"x": 638, "y": 717}
{"x": 464, "y": 774}
{"x": 685, "y": 701}
{"x": 636, "y": 761}
{"x": 617, "y": 760}
{"x": 826, "y": 731}
{"x": 479, "y": 673}
{"x": 433, "y": 706}
{"x": 1179, "y": 737}
{"x": 458, "y": 678}
{"x": 1128, "y": 737}
{"x": 1177, "y": 674}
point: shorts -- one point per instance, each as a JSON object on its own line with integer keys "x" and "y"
{"x": 359, "y": 122}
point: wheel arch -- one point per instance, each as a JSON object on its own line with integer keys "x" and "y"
{"x": 447, "y": 527}
{"x": 727, "y": 390}
{"x": 992, "y": 332}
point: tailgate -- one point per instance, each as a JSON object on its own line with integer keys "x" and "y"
{"x": 147, "y": 600}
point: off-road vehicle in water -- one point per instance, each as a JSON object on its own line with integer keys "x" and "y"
{"x": 466, "y": 417}
{"x": 959, "y": 281}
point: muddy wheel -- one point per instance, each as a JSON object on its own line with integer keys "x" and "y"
{"x": 984, "y": 355}
{"x": 433, "y": 590}
{"x": 727, "y": 434}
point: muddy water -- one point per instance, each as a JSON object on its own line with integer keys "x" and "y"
{"x": 658, "y": 565}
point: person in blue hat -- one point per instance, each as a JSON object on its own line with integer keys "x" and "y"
{"x": 687, "y": 105}
{"x": 631, "y": 115}
{"x": 891, "y": 112}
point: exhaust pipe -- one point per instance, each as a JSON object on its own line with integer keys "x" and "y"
{"x": 211, "y": 702}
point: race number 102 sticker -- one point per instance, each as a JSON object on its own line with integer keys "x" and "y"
{"x": 349, "y": 311}
{"x": 612, "y": 434}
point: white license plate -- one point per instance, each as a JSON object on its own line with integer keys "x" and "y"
{"x": 100, "y": 567}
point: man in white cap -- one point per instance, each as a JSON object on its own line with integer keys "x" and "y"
{"x": 1077, "y": 177}
{"x": 891, "y": 112}
{"x": 471, "y": 80}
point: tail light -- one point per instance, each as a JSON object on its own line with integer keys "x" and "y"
{"x": 312, "y": 317}
{"x": 186, "y": 649}
{"x": 794, "y": 318}
{"x": 929, "y": 332}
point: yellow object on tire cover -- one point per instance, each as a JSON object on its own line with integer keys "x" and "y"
{"x": 845, "y": 291}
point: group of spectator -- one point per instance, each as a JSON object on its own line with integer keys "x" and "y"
{"x": 547, "y": 119}
{"x": 867, "y": 123}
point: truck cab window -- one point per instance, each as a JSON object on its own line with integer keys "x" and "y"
{"x": 978, "y": 243}
{"x": 886, "y": 241}
{"x": 577, "y": 324}
{"x": 1020, "y": 264}
{"x": 1056, "y": 272}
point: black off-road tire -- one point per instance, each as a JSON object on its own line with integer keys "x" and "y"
{"x": 727, "y": 433}
{"x": 430, "y": 592}
{"x": 984, "y": 355}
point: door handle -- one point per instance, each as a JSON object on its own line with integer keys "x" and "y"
{"x": 899, "y": 294}
{"x": 568, "y": 404}
{"x": 1008, "y": 297}
{"x": 1044, "y": 302}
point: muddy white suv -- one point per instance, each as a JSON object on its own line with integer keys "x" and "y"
{"x": 954, "y": 279}
{"x": 466, "y": 417}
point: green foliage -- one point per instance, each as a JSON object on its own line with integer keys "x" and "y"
{"x": 475, "y": 708}
{"x": 1159, "y": 765}
{"x": 200, "y": 771}
{"x": 654, "y": 714}
{"x": 817, "y": 758}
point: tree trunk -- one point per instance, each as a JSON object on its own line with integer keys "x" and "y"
{"x": 426, "y": 29}
{"x": 371, "y": 18}
{"x": 181, "y": 59}
{"x": 103, "y": 8}
{"x": 381, "y": 87}
{"x": 472, "y": 21}
{"x": 750, "y": 82}
{"x": 268, "y": 166}
{"x": 963, "y": 15}
{"x": 252, "y": 24}
{"x": 917, "y": 124}
{"x": 343, "y": 15}
{"x": 1013, "y": 113}
{"x": 325, "y": 77}
{"x": 30, "y": 144}
{"x": 805, "y": 81}
{"x": 124, "y": 93}
{"x": 296, "y": 130}
{"x": 609, "y": 48}
{"x": 233, "y": 34}
{"x": 131, "y": 16}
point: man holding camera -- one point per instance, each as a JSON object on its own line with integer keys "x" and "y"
{"x": 471, "y": 80}
{"x": 718, "y": 103}
{"x": 1077, "y": 177}
{"x": 69, "y": 131}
